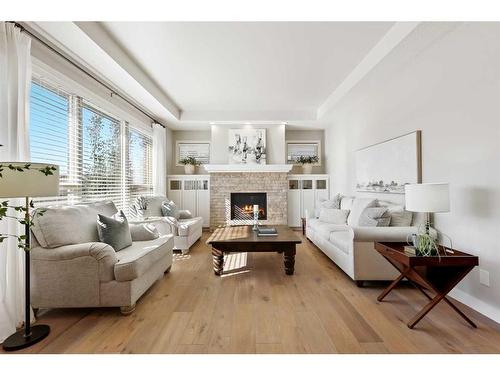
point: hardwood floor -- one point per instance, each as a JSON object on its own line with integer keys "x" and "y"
{"x": 256, "y": 308}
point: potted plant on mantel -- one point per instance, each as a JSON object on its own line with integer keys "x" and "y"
{"x": 190, "y": 164}
{"x": 307, "y": 162}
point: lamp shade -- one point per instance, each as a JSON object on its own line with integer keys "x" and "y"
{"x": 427, "y": 197}
{"x": 28, "y": 183}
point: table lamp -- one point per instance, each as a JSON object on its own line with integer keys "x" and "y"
{"x": 16, "y": 182}
{"x": 427, "y": 198}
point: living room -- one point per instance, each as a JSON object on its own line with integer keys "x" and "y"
{"x": 249, "y": 185}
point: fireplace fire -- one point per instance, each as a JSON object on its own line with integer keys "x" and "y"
{"x": 242, "y": 205}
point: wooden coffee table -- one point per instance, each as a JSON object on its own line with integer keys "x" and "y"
{"x": 436, "y": 274}
{"x": 242, "y": 239}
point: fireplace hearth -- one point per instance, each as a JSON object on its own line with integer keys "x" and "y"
{"x": 242, "y": 205}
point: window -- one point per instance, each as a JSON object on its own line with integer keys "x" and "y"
{"x": 100, "y": 156}
{"x": 198, "y": 150}
{"x": 295, "y": 149}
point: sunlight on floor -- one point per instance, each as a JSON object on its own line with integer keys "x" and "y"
{"x": 180, "y": 257}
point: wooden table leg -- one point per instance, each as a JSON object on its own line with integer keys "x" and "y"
{"x": 390, "y": 287}
{"x": 289, "y": 259}
{"x": 218, "y": 261}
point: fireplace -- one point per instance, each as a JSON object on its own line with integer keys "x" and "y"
{"x": 242, "y": 205}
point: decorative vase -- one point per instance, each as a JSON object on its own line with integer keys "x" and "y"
{"x": 307, "y": 168}
{"x": 189, "y": 169}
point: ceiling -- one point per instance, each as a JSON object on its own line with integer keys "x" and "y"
{"x": 247, "y": 66}
{"x": 190, "y": 74}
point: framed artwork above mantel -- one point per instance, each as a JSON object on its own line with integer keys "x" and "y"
{"x": 386, "y": 167}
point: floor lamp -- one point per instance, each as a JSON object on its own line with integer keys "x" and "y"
{"x": 16, "y": 181}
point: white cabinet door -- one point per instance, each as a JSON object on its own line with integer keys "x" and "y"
{"x": 175, "y": 192}
{"x": 307, "y": 202}
{"x": 204, "y": 202}
{"x": 189, "y": 197}
{"x": 294, "y": 208}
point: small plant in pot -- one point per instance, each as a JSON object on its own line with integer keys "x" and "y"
{"x": 307, "y": 163}
{"x": 190, "y": 164}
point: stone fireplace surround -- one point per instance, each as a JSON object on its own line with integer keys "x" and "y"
{"x": 222, "y": 184}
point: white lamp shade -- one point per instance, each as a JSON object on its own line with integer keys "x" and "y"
{"x": 28, "y": 183}
{"x": 427, "y": 197}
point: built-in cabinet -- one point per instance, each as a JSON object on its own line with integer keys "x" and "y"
{"x": 304, "y": 191}
{"x": 191, "y": 192}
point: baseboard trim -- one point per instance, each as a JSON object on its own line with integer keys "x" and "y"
{"x": 476, "y": 304}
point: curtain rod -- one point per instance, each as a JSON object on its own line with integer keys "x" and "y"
{"x": 76, "y": 65}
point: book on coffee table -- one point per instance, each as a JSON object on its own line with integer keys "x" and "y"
{"x": 267, "y": 232}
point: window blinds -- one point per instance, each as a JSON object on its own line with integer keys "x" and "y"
{"x": 100, "y": 156}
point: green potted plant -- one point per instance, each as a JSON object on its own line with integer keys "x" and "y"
{"x": 307, "y": 162}
{"x": 190, "y": 164}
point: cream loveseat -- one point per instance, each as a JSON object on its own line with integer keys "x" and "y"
{"x": 186, "y": 230}
{"x": 71, "y": 268}
{"x": 351, "y": 246}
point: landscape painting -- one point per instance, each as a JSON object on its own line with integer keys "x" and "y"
{"x": 388, "y": 166}
{"x": 247, "y": 146}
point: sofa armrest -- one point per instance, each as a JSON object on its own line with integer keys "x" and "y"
{"x": 104, "y": 255}
{"x": 380, "y": 234}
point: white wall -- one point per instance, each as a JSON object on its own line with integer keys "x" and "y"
{"x": 445, "y": 80}
{"x": 275, "y": 142}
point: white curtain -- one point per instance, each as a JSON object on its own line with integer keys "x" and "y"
{"x": 159, "y": 160}
{"x": 15, "y": 81}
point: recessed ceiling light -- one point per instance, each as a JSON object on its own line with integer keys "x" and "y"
{"x": 212, "y": 123}
{"x": 248, "y": 123}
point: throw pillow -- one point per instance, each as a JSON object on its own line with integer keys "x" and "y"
{"x": 114, "y": 230}
{"x": 358, "y": 206}
{"x": 375, "y": 217}
{"x": 143, "y": 232}
{"x": 401, "y": 218}
{"x": 327, "y": 203}
{"x": 170, "y": 209}
{"x": 333, "y": 215}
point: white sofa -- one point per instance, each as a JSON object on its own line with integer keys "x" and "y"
{"x": 186, "y": 230}
{"x": 351, "y": 247}
{"x": 71, "y": 268}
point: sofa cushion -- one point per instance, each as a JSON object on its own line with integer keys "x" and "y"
{"x": 186, "y": 227}
{"x": 333, "y": 215}
{"x": 327, "y": 203}
{"x": 137, "y": 259}
{"x": 341, "y": 240}
{"x": 114, "y": 230}
{"x": 143, "y": 232}
{"x": 401, "y": 218}
{"x": 145, "y": 206}
{"x": 358, "y": 206}
{"x": 375, "y": 217}
{"x": 325, "y": 229}
{"x": 170, "y": 209}
{"x": 346, "y": 203}
{"x": 69, "y": 224}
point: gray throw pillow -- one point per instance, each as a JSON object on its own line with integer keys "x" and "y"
{"x": 375, "y": 217}
{"x": 143, "y": 232}
{"x": 170, "y": 209}
{"x": 401, "y": 218}
{"x": 114, "y": 230}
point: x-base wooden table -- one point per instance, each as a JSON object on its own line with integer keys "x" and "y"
{"x": 438, "y": 274}
{"x": 242, "y": 239}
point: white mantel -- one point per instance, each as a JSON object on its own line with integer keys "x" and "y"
{"x": 255, "y": 168}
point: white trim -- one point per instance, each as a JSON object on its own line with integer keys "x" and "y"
{"x": 476, "y": 304}
{"x": 251, "y": 168}
{"x": 177, "y": 164}
{"x": 317, "y": 142}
